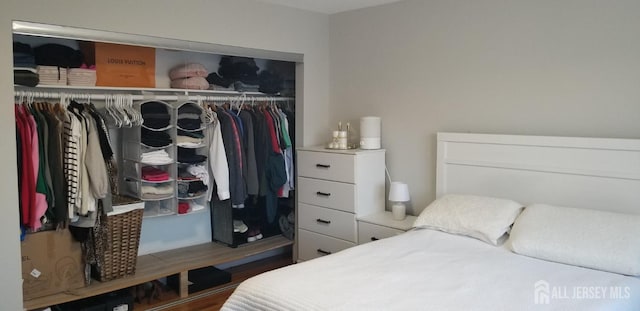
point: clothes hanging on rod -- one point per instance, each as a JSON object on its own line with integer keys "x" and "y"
{"x": 65, "y": 160}
{"x": 96, "y": 95}
{"x": 258, "y": 148}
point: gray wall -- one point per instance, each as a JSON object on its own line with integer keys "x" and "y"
{"x": 551, "y": 67}
{"x": 240, "y": 23}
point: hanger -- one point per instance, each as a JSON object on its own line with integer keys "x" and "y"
{"x": 240, "y": 102}
{"x": 138, "y": 113}
{"x": 110, "y": 106}
{"x": 127, "y": 107}
{"x": 123, "y": 112}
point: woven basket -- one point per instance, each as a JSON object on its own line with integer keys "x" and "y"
{"x": 119, "y": 255}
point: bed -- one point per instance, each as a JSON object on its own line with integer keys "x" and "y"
{"x": 569, "y": 204}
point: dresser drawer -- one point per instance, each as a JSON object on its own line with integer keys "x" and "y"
{"x": 338, "y": 224}
{"x": 369, "y": 232}
{"x": 336, "y": 195}
{"x": 313, "y": 245}
{"x": 328, "y": 166}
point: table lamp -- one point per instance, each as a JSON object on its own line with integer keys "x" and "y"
{"x": 398, "y": 194}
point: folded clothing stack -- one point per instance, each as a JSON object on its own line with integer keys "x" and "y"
{"x": 191, "y": 134}
{"x": 188, "y": 155}
{"x": 59, "y": 55}
{"x": 193, "y": 172}
{"x": 52, "y": 75}
{"x": 200, "y": 171}
{"x": 154, "y": 138}
{"x": 23, "y": 55}
{"x": 189, "y": 117}
{"x": 24, "y": 65}
{"x": 25, "y": 76}
{"x": 150, "y": 173}
{"x": 188, "y": 139}
{"x": 241, "y": 74}
{"x": 83, "y": 76}
{"x": 191, "y": 189}
{"x": 155, "y": 115}
{"x": 189, "y": 76}
{"x": 156, "y": 191}
{"x": 156, "y": 157}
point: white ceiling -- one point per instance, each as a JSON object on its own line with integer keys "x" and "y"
{"x": 329, "y": 6}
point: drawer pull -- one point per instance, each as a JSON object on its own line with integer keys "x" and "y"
{"x": 374, "y": 238}
{"x": 322, "y": 221}
{"x": 323, "y": 194}
{"x": 323, "y": 252}
{"x": 323, "y": 165}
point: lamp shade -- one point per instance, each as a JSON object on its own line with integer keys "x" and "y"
{"x": 399, "y": 192}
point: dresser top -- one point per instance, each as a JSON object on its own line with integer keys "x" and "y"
{"x": 344, "y": 151}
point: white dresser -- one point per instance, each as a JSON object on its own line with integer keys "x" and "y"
{"x": 334, "y": 188}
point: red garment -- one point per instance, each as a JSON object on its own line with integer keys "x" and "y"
{"x": 272, "y": 132}
{"x": 27, "y": 186}
{"x": 151, "y": 173}
{"x": 39, "y": 200}
{"x": 183, "y": 207}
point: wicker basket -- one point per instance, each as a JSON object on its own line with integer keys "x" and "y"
{"x": 117, "y": 258}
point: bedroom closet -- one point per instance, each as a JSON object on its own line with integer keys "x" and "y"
{"x": 206, "y": 152}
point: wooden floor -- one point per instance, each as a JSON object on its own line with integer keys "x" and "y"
{"x": 214, "y": 298}
{"x": 209, "y": 303}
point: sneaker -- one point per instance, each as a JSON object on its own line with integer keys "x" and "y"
{"x": 254, "y": 235}
{"x": 239, "y": 226}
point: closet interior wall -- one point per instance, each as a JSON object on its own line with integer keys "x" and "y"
{"x": 175, "y": 231}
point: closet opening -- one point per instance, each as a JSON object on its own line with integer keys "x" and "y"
{"x": 201, "y": 135}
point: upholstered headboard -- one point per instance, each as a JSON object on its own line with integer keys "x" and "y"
{"x": 594, "y": 173}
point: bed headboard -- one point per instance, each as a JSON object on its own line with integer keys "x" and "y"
{"x": 594, "y": 173}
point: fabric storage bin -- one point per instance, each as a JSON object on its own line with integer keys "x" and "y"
{"x": 118, "y": 254}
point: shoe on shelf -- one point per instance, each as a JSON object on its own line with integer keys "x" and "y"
{"x": 254, "y": 235}
{"x": 239, "y": 226}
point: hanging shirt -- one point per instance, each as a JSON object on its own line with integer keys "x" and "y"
{"x": 250, "y": 151}
{"x": 218, "y": 165}
{"x": 233, "y": 149}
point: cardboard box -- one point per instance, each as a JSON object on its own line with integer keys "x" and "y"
{"x": 122, "y": 65}
{"x": 51, "y": 263}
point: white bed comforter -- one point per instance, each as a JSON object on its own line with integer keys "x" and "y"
{"x": 431, "y": 270}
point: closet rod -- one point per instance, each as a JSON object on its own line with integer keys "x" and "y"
{"x": 214, "y": 98}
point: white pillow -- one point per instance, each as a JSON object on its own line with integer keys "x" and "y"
{"x": 483, "y": 218}
{"x": 594, "y": 239}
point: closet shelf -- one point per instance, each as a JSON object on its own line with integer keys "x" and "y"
{"x": 157, "y": 130}
{"x": 158, "y": 265}
{"x": 188, "y": 180}
{"x": 154, "y": 147}
{"x": 192, "y": 213}
{"x": 196, "y": 163}
{"x": 192, "y": 147}
{"x": 196, "y": 130}
{"x": 149, "y": 181}
{"x": 168, "y": 162}
{"x": 157, "y": 214}
{"x": 192, "y": 197}
{"x": 159, "y": 198}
